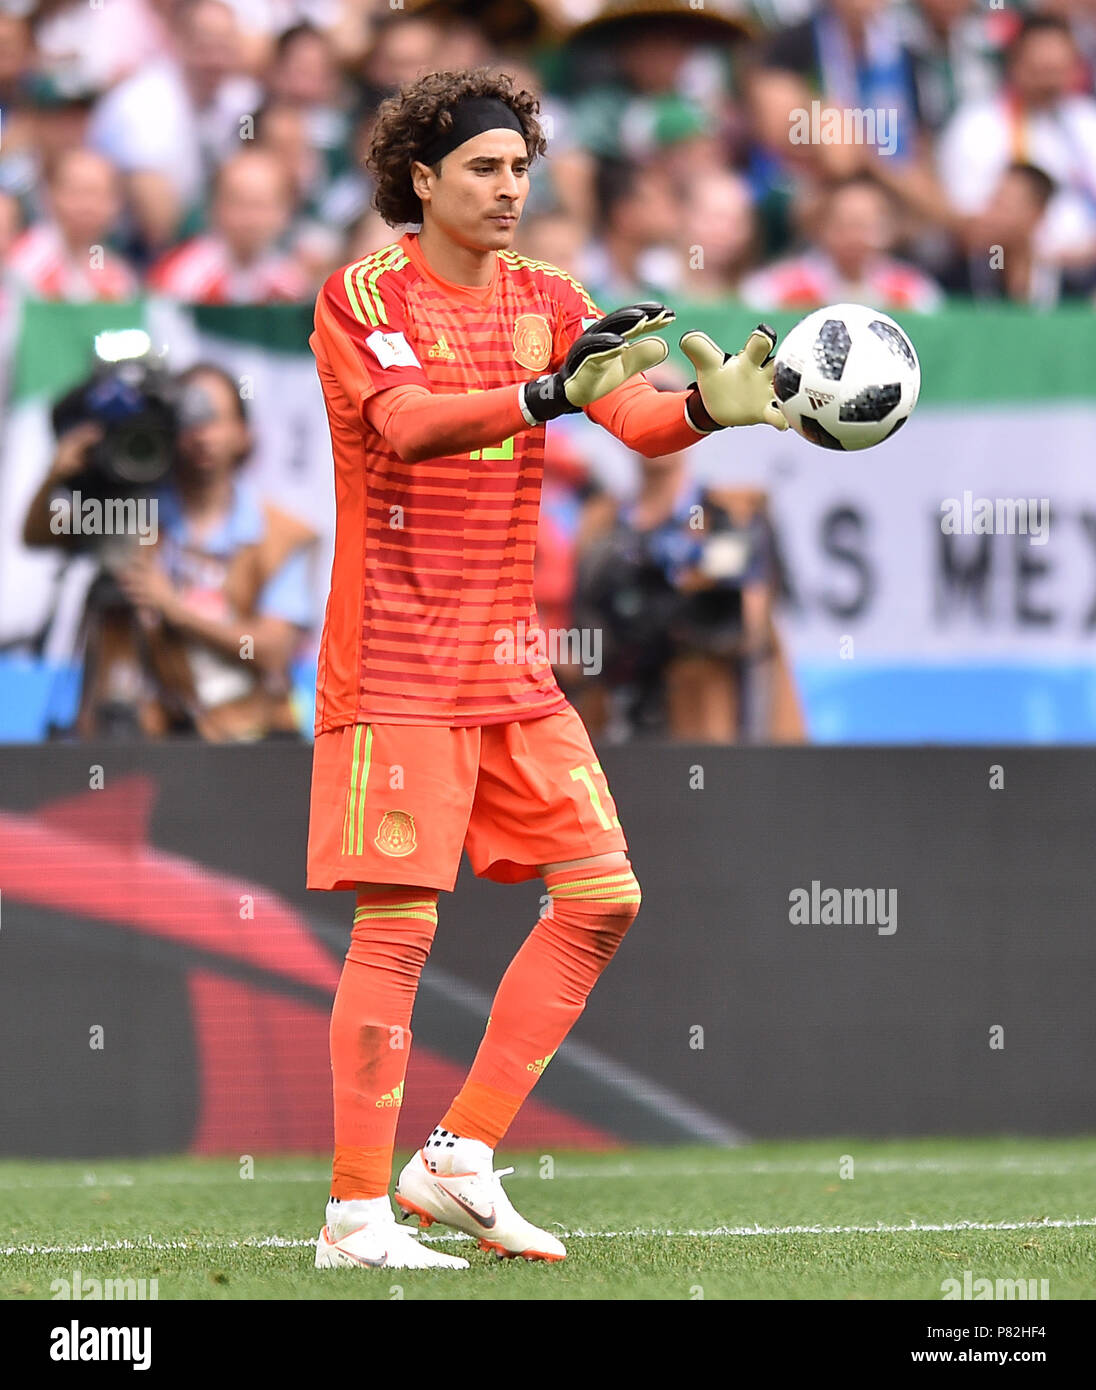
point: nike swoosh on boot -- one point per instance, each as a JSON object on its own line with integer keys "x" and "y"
{"x": 486, "y": 1222}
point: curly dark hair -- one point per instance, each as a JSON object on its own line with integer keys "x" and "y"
{"x": 406, "y": 124}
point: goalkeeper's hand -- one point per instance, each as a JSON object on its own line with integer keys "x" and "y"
{"x": 734, "y": 390}
{"x": 601, "y": 359}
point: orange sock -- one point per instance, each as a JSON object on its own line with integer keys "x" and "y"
{"x": 544, "y": 990}
{"x": 370, "y": 1036}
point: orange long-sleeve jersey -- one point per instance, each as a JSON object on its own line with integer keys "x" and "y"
{"x": 431, "y": 618}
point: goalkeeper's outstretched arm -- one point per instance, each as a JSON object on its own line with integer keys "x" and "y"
{"x": 419, "y": 424}
{"x": 729, "y": 390}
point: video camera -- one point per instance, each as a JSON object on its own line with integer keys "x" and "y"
{"x": 139, "y": 405}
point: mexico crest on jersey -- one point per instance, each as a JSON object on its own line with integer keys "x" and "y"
{"x": 396, "y": 833}
{"x": 532, "y": 342}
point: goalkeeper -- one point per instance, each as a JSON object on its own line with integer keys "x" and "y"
{"x": 442, "y": 357}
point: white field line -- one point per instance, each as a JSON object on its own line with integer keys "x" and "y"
{"x": 291, "y": 1243}
{"x": 1022, "y": 1167}
{"x": 763, "y": 1168}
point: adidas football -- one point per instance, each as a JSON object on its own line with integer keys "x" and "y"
{"x": 847, "y": 377}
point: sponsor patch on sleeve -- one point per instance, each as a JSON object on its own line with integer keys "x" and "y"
{"x": 391, "y": 349}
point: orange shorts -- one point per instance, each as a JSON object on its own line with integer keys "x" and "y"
{"x": 396, "y": 803}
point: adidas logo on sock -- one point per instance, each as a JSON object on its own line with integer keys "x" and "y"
{"x": 391, "y": 1098}
{"x": 539, "y": 1065}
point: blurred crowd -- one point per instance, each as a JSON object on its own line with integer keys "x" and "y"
{"x": 213, "y": 148}
{"x": 783, "y": 154}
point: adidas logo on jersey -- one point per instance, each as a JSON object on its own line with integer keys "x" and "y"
{"x": 391, "y": 1098}
{"x": 441, "y": 351}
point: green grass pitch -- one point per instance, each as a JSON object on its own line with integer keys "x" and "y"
{"x": 768, "y": 1221}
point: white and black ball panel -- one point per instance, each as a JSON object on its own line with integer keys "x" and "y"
{"x": 818, "y": 434}
{"x": 846, "y": 376}
{"x": 785, "y": 381}
{"x": 873, "y": 403}
{"x": 889, "y": 332}
{"x": 831, "y": 349}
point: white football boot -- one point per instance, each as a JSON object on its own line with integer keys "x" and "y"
{"x": 379, "y": 1244}
{"x": 473, "y": 1202}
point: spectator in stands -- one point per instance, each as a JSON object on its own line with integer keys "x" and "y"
{"x": 1001, "y": 259}
{"x": 239, "y": 261}
{"x": 64, "y": 255}
{"x": 404, "y": 47}
{"x": 847, "y": 57}
{"x": 221, "y": 601}
{"x": 303, "y": 67}
{"x": 60, "y": 124}
{"x": 1038, "y": 119}
{"x": 348, "y": 198}
{"x": 647, "y": 89}
{"x": 555, "y": 237}
{"x": 634, "y": 256}
{"x": 171, "y": 124}
{"x": 720, "y": 235}
{"x": 263, "y": 22}
{"x": 465, "y": 43}
{"x": 649, "y": 72}
{"x": 304, "y": 74}
{"x": 91, "y": 47}
{"x": 956, "y": 49}
{"x": 847, "y": 54}
{"x": 849, "y": 259}
{"x": 1080, "y": 15}
{"x": 351, "y": 31}
{"x": 281, "y": 128}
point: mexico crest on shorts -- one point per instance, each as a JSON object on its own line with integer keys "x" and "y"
{"x": 532, "y": 341}
{"x": 396, "y": 833}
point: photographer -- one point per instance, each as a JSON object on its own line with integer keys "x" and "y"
{"x": 194, "y": 633}
{"x": 682, "y": 582}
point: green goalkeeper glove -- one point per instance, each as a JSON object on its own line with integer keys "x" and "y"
{"x": 734, "y": 390}
{"x": 601, "y": 359}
